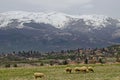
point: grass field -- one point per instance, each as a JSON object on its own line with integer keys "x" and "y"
{"x": 102, "y": 72}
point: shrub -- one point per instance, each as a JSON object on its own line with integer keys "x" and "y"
{"x": 15, "y": 65}
{"x": 51, "y": 63}
{"x": 65, "y": 62}
{"x": 41, "y": 64}
{"x": 102, "y": 60}
{"x": 86, "y": 61}
{"x": 7, "y": 65}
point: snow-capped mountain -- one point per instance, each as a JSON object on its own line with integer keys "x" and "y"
{"x": 58, "y": 20}
{"x": 48, "y": 31}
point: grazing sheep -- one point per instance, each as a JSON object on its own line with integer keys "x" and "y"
{"x": 68, "y": 69}
{"x": 37, "y": 74}
{"x": 90, "y": 69}
{"x": 77, "y": 69}
{"x": 83, "y": 69}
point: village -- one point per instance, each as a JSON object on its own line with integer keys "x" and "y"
{"x": 77, "y": 56}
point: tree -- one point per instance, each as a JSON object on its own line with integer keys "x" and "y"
{"x": 86, "y": 61}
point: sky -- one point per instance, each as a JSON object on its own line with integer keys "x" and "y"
{"x": 75, "y": 7}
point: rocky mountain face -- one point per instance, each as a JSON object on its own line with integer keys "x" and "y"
{"x": 56, "y": 31}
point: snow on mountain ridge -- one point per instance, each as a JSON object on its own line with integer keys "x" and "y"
{"x": 58, "y": 20}
{"x": 98, "y": 21}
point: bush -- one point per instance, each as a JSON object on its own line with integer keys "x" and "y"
{"x": 7, "y": 65}
{"x": 51, "y": 63}
{"x": 102, "y": 60}
{"x": 41, "y": 64}
{"x": 65, "y": 62}
{"x": 15, "y": 65}
{"x": 86, "y": 61}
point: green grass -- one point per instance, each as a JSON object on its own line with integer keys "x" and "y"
{"x": 102, "y": 72}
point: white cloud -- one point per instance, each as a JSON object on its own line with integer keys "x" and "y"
{"x": 58, "y": 4}
{"x": 104, "y": 7}
{"x": 88, "y": 6}
{"x": 42, "y": 5}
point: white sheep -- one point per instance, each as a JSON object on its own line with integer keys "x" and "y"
{"x": 37, "y": 74}
{"x": 83, "y": 69}
{"x": 77, "y": 69}
{"x": 68, "y": 69}
{"x": 90, "y": 69}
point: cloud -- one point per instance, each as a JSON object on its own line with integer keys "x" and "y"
{"x": 104, "y": 7}
{"x": 57, "y": 4}
{"x": 88, "y": 6}
{"x": 42, "y": 5}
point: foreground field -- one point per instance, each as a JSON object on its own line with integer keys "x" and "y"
{"x": 102, "y": 72}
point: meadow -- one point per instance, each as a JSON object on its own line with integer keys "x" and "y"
{"x": 102, "y": 72}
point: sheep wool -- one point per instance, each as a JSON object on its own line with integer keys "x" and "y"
{"x": 37, "y": 74}
{"x": 91, "y": 69}
{"x": 83, "y": 69}
{"x": 77, "y": 69}
{"x": 68, "y": 69}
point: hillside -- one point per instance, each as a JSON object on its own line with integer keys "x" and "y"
{"x": 56, "y": 31}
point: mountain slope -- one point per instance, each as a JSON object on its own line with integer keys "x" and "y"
{"x": 56, "y": 19}
{"x": 56, "y": 31}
